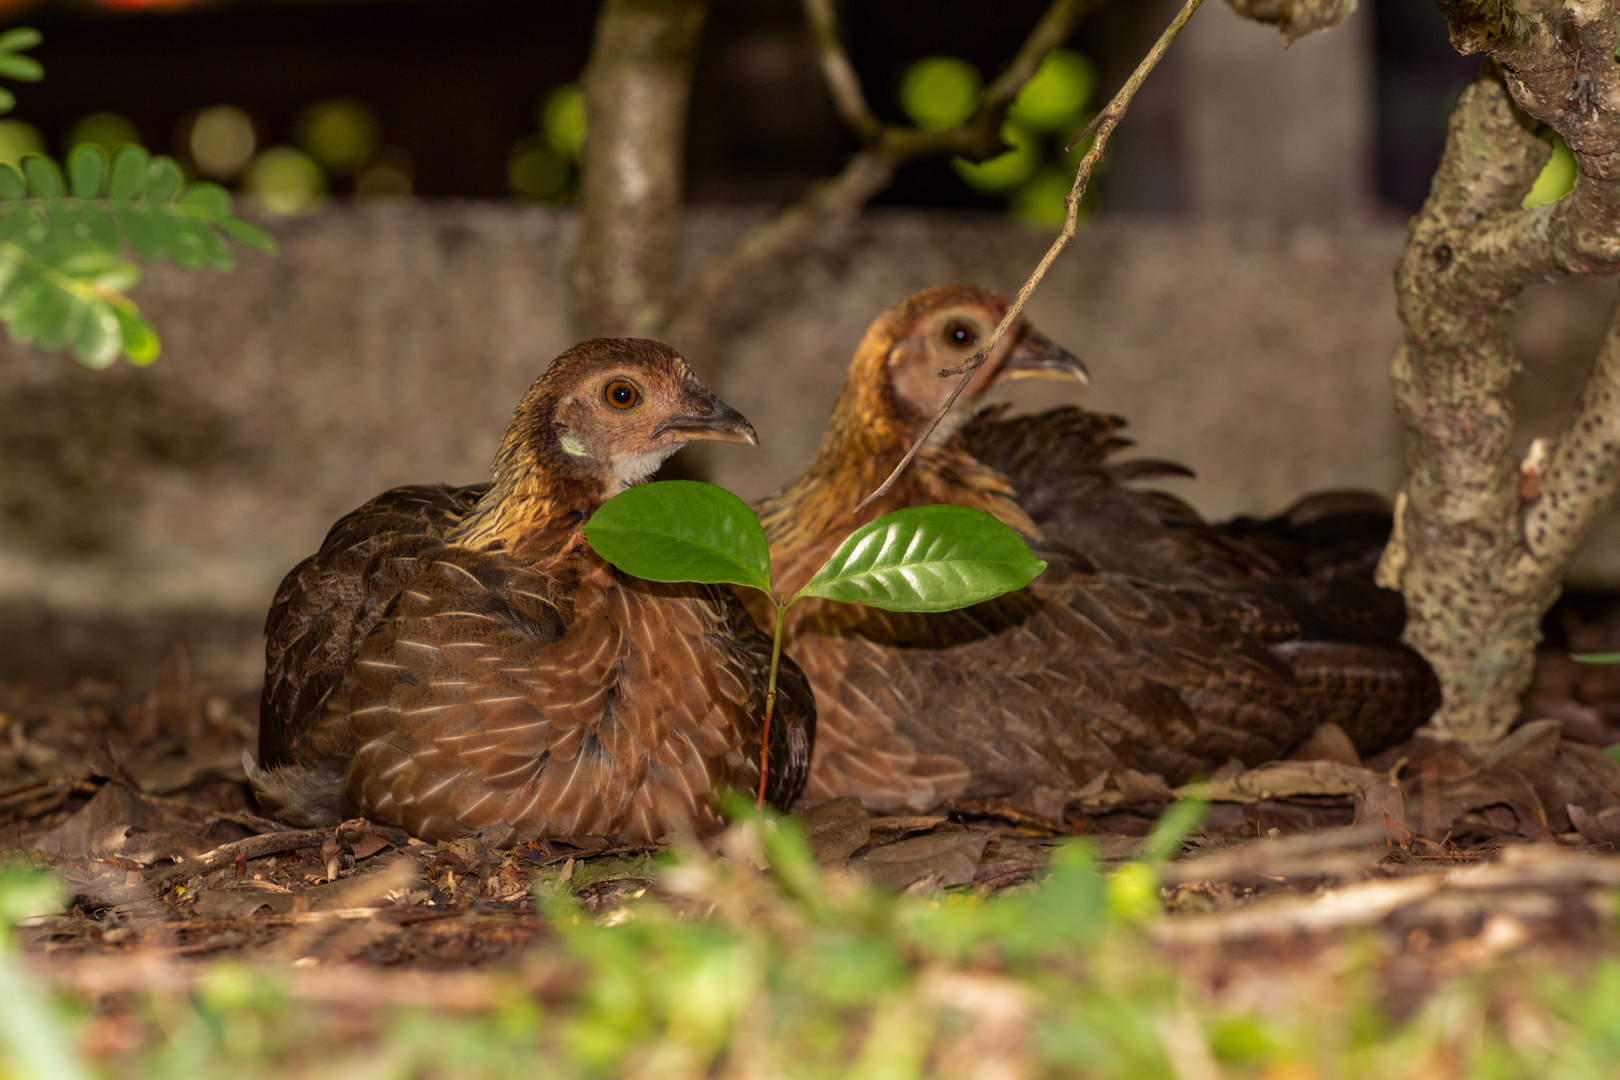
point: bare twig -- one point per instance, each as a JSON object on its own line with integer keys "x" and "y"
{"x": 253, "y": 847}
{"x": 1106, "y": 122}
{"x": 848, "y": 97}
{"x": 884, "y": 148}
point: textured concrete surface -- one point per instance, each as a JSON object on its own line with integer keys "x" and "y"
{"x": 389, "y": 344}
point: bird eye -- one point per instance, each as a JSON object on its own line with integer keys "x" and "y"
{"x": 622, "y": 395}
{"x": 960, "y": 335}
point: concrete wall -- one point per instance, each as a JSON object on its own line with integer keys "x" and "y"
{"x": 388, "y": 344}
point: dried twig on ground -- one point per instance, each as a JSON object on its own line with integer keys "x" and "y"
{"x": 253, "y": 847}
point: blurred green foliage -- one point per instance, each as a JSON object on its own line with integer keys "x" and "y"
{"x": 340, "y": 135}
{"x": 544, "y": 165}
{"x": 66, "y": 239}
{"x": 940, "y": 92}
{"x": 1035, "y": 173}
{"x": 796, "y": 972}
{"x": 1557, "y": 177}
{"x": 285, "y": 180}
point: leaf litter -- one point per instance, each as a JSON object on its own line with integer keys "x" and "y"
{"x": 1418, "y": 870}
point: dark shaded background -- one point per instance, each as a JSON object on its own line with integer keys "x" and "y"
{"x": 456, "y": 82}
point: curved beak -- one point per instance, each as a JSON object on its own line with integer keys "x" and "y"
{"x": 1037, "y": 356}
{"x": 709, "y": 418}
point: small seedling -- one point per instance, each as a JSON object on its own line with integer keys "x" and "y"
{"x": 922, "y": 558}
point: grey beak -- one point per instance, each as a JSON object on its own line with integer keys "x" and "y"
{"x": 711, "y": 419}
{"x": 1037, "y": 356}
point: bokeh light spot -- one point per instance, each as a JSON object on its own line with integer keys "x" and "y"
{"x": 17, "y": 138}
{"x": 536, "y": 172}
{"x": 285, "y": 181}
{"x": 221, "y": 141}
{"x": 562, "y": 121}
{"x": 1557, "y": 177}
{"x": 389, "y": 175}
{"x": 1057, "y": 91}
{"x": 106, "y": 130}
{"x": 940, "y": 92}
{"x": 341, "y": 135}
{"x": 1004, "y": 171}
{"x": 1040, "y": 199}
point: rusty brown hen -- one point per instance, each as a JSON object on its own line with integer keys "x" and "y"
{"x": 1162, "y": 652}
{"x": 458, "y": 661}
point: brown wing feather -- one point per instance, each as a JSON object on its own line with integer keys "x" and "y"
{"x": 1079, "y": 673}
{"x": 327, "y": 604}
{"x": 519, "y": 703}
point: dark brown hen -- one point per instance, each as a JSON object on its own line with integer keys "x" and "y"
{"x": 1169, "y": 661}
{"x": 458, "y": 661}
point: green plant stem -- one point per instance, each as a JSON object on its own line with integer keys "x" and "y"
{"x": 770, "y": 699}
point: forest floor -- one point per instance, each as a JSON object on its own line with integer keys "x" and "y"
{"x": 1425, "y": 913}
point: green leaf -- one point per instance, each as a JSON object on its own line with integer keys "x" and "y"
{"x": 163, "y": 179}
{"x": 51, "y": 326}
{"x": 8, "y": 100}
{"x": 926, "y": 558}
{"x": 144, "y": 232}
{"x": 23, "y": 37}
{"x": 209, "y": 200}
{"x": 87, "y": 169}
{"x": 11, "y": 184}
{"x": 99, "y": 337}
{"x": 129, "y": 168}
{"x": 43, "y": 175}
{"x": 141, "y": 342}
{"x": 248, "y": 234}
{"x": 681, "y": 530}
{"x": 1171, "y": 830}
{"x": 21, "y": 68}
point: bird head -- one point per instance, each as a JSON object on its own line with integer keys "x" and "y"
{"x": 607, "y": 412}
{"x": 942, "y": 327}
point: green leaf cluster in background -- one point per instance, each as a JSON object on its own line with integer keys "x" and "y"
{"x": 64, "y": 270}
{"x": 922, "y": 558}
{"x": 67, "y": 241}
{"x": 1035, "y": 172}
{"x": 544, "y": 165}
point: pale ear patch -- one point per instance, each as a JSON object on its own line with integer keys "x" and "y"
{"x": 572, "y": 446}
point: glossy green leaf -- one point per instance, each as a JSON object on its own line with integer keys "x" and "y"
{"x": 21, "y": 68}
{"x": 926, "y": 558}
{"x": 141, "y": 342}
{"x": 11, "y": 184}
{"x": 129, "y": 167}
{"x": 208, "y": 200}
{"x": 19, "y": 39}
{"x": 44, "y": 178}
{"x": 681, "y": 530}
{"x": 248, "y": 234}
{"x": 87, "y": 170}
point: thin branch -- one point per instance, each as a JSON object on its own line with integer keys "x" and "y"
{"x": 848, "y": 97}
{"x": 1582, "y": 471}
{"x": 884, "y": 148}
{"x": 1108, "y": 120}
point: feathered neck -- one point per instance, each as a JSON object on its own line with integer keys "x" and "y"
{"x": 540, "y": 494}
{"x": 866, "y": 437}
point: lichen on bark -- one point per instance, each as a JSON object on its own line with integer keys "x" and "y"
{"x": 1482, "y": 541}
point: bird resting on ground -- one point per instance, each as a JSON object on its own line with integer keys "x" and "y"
{"x": 458, "y": 661}
{"x": 1151, "y": 642}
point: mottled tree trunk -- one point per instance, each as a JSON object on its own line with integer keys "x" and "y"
{"x": 637, "y": 85}
{"x": 1481, "y": 541}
